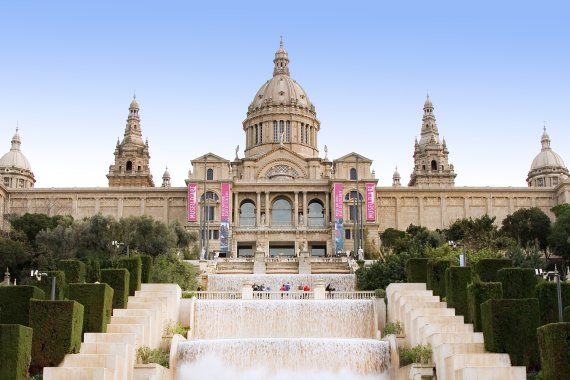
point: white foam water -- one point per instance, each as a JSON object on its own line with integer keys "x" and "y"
{"x": 218, "y": 319}
{"x": 234, "y": 282}
{"x": 277, "y": 358}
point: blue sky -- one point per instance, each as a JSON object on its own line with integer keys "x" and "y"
{"x": 495, "y": 71}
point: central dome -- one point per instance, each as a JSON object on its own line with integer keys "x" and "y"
{"x": 281, "y": 90}
{"x": 281, "y": 115}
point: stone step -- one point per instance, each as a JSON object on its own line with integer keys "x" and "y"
{"x": 126, "y": 353}
{"x": 145, "y": 321}
{"x": 491, "y": 373}
{"x": 458, "y": 361}
{"x": 83, "y": 373}
{"x": 438, "y": 339}
{"x": 108, "y": 337}
{"x": 138, "y": 330}
{"x": 443, "y": 351}
{"x": 109, "y": 361}
{"x": 151, "y": 372}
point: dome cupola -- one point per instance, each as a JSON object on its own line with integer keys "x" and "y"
{"x": 281, "y": 114}
{"x": 15, "y": 168}
{"x": 547, "y": 168}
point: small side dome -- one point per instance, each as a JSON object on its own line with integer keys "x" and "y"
{"x": 428, "y": 103}
{"x": 547, "y": 158}
{"x": 15, "y": 159}
{"x": 547, "y": 168}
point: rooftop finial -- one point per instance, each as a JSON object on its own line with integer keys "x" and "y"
{"x": 280, "y": 41}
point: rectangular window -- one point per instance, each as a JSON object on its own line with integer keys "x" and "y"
{"x": 210, "y": 212}
{"x": 307, "y": 128}
{"x": 302, "y": 133}
{"x": 353, "y": 213}
{"x": 260, "y": 133}
{"x": 288, "y": 132}
{"x": 347, "y": 234}
{"x": 7, "y": 181}
{"x": 281, "y": 127}
{"x": 256, "y": 134}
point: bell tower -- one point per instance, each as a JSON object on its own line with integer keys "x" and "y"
{"x": 431, "y": 167}
{"x": 131, "y": 167}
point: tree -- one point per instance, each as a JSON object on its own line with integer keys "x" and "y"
{"x": 390, "y": 236}
{"x": 13, "y": 254}
{"x": 528, "y": 226}
{"x": 559, "y": 238}
{"x": 168, "y": 268}
{"x": 32, "y": 224}
{"x": 383, "y": 272}
{"x": 475, "y": 234}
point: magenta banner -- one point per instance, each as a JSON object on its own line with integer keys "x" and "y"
{"x": 192, "y": 191}
{"x": 225, "y": 204}
{"x": 338, "y": 203}
{"x": 370, "y": 202}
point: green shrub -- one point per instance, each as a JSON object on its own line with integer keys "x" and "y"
{"x": 566, "y": 313}
{"x": 146, "y": 273}
{"x": 97, "y": 299}
{"x": 554, "y": 346}
{"x": 416, "y": 270}
{"x": 380, "y": 293}
{"x": 418, "y": 354}
{"x": 134, "y": 266}
{"x": 146, "y": 355}
{"x": 436, "y": 276}
{"x": 517, "y": 282}
{"x": 456, "y": 281}
{"x": 57, "y": 332}
{"x": 74, "y": 270}
{"x": 392, "y": 328}
{"x": 172, "y": 327}
{"x": 547, "y": 294}
{"x": 477, "y": 293}
{"x": 60, "y": 284}
{"x": 15, "y": 351}
{"x": 509, "y": 326}
{"x": 15, "y": 303}
{"x": 487, "y": 269}
{"x": 118, "y": 279}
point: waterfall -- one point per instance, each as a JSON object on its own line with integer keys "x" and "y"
{"x": 233, "y": 283}
{"x": 284, "y": 319}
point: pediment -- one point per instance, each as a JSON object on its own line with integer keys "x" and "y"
{"x": 351, "y": 157}
{"x": 209, "y": 157}
{"x": 281, "y": 164}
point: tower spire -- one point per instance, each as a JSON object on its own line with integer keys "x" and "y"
{"x": 281, "y": 60}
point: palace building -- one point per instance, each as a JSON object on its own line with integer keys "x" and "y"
{"x": 283, "y": 196}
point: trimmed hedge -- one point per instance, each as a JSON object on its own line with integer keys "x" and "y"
{"x": 15, "y": 351}
{"x": 548, "y": 300}
{"x": 74, "y": 270}
{"x": 97, "y": 299}
{"x": 436, "y": 276}
{"x": 487, "y": 269}
{"x": 146, "y": 272}
{"x": 554, "y": 346}
{"x": 15, "y": 304}
{"x": 477, "y": 293}
{"x": 60, "y": 284}
{"x": 566, "y": 313}
{"x": 416, "y": 270}
{"x": 518, "y": 282}
{"x": 509, "y": 326}
{"x": 118, "y": 279}
{"x": 57, "y": 332}
{"x": 456, "y": 281}
{"x": 134, "y": 266}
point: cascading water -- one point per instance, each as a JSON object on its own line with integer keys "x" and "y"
{"x": 283, "y": 339}
{"x": 233, "y": 283}
{"x": 284, "y": 319}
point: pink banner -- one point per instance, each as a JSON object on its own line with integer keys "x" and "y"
{"x": 192, "y": 191}
{"x": 225, "y": 204}
{"x": 338, "y": 203}
{"x": 370, "y": 202}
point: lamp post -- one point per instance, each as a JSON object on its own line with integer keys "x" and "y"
{"x": 556, "y": 275}
{"x": 38, "y": 275}
{"x": 462, "y": 256}
{"x": 117, "y": 244}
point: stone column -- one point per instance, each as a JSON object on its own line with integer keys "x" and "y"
{"x": 327, "y": 211}
{"x": 258, "y": 209}
{"x": 304, "y": 260}
{"x": 304, "y": 208}
{"x": 259, "y": 266}
{"x": 236, "y": 209}
{"x": 319, "y": 292}
{"x": 296, "y": 212}
{"x": 268, "y": 220}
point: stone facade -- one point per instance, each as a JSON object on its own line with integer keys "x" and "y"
{"x": 281, "y": 196}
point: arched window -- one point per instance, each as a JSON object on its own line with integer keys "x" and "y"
{"x": 281, "y": 128}
{"x": 288, "y": 131}
{"x": 352, "y": 195}
{"x": 302, "y": 133}
{"x": 247, "y": 213}
{"x": 210, "y": 196}
{"x": 316, "y": 214}
{"x": 281, "y": 213}
{"x": 129, "y": 166}
{"x": 353, "y": 174}
{"x": 275, "y": 131}
{"x": 210, "y": 174}
{"x": 433, "y": 165}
